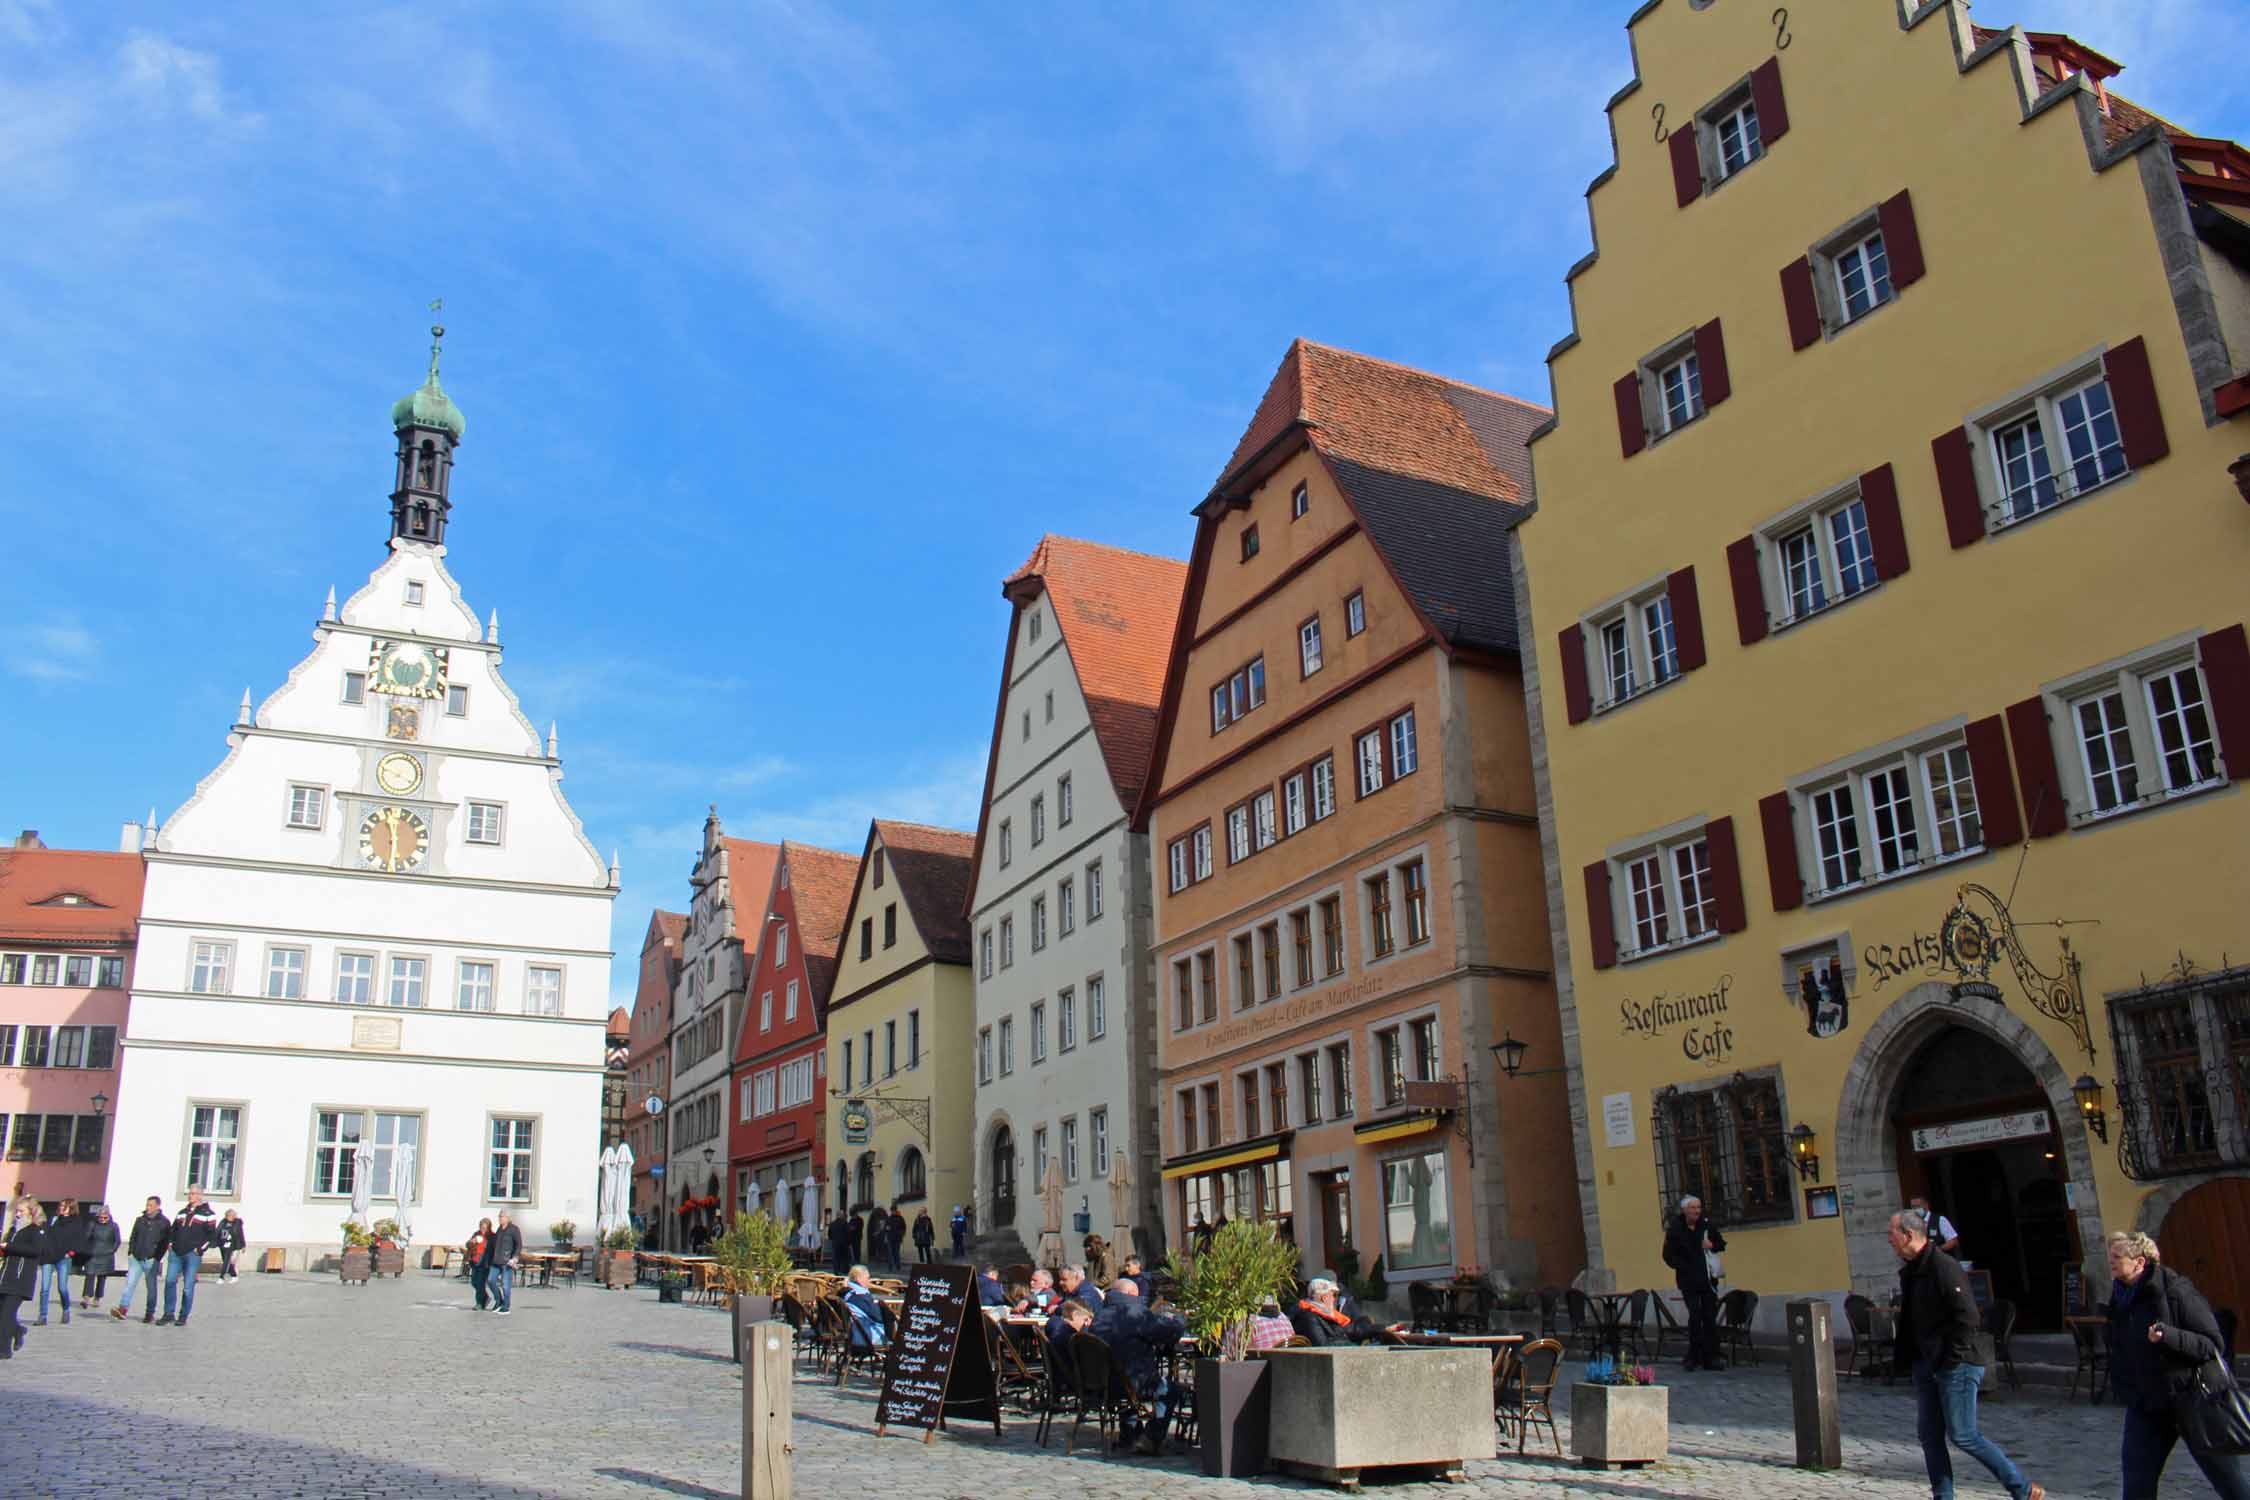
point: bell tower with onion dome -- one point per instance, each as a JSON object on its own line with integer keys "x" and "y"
{"x": 429, "y": 428}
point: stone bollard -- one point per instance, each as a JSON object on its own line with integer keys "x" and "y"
{"x": 768, "y": 1407}
{"x": 1812, "y": 1386}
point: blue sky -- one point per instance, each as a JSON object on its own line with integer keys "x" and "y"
{"x": 783, "y": 333}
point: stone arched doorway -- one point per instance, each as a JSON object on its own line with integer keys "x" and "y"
{"x": 1866, "y": 1150}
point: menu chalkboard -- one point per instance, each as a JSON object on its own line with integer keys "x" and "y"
{"x": 2074, "y": 1289}
{"x": 939, "y": 1360}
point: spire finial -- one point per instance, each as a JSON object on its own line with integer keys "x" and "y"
{"x": 328, "y": 610}
{"x": 437, "y": 338}
{"x": 242, "y": 714}
{"x": 492, "y": 631}
{"x": 550, "y": 739}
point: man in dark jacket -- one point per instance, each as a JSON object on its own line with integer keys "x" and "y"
{"x": 500, "y": 1254}
{"x": 99, "y": 1263}
{"x": 925, "y": 1238}
{"x": 990, "y": 1293}
{"x": 193, "y": 1229}
{"x": 1073, "y": 1282}
{"x": 1138, "y": 1338}
{"x": 1689, "y": 1242}
{"x": 1321, "y": 1320}
{"x": 2161, "y": 1330}
{"x": 840, "y": 1244}
{"x": 19, "y": 1272}
{"x": 144, "y": 1247}
{"x": 66, "y": 1240}
{"x": 960, "y": 1228}
{"x": 896, "y": 1237}
{"x": 1937, "y": 1334}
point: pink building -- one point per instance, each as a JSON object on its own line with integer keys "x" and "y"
{"x": 67, "y": 925}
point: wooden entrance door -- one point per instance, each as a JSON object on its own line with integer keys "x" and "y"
{"x": 1335, "y": 1216}
{"x": 1003, "y": 1178}
{"x": 2206, "y": 1237}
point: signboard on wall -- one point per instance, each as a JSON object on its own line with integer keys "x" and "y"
{"x": 2029, "y": 1124}
{"x": 858, "y": 1120}
{"x": 1617, "y": 1119}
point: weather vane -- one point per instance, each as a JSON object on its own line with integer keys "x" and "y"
{"x": 437, "y": 335}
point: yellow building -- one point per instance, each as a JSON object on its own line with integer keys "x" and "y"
{"x": 901, "y": 1021}
{"x": 1887, "y": 582}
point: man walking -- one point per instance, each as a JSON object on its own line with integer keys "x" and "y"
{"x": 66, "y": 1241}
{"x": 192, "y": 1231}
{"x": 144, "y": 1246}
{"x": 925, "y": 1238}
{"x": 1691, "y": 1247}
{"x": 894, "y": 1238}
{"x": 1937, "y": 1332}
{"x": 500, "y": 1254}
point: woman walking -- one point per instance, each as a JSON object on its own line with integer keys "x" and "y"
{"x": 65, "y": 1242}
{"x": 19, "y": 1272}
{"x": 234, "y": 1237}
{"x": 2160, "y": 1331}
{"x": 478, "y": 1270}
{"x": 99, "y": 1261}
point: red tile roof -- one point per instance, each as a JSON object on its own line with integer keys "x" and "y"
{"x": 820, "y": 886}
{"x": 1117, "y": 611}
{"x": 69, "y": 897}
{"x": 933, "y": 868}
{"x": 670, "y": 926}
{"x": 750, "y": 865}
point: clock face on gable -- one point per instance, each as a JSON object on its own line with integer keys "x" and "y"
{"x": 407, "y": 669}
{"x": 398, "y": 774}
{"x": 393, "y": 839}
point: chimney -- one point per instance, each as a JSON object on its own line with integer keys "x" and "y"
{"x": 129, "y": 839}
{"x": 29, "y": 839}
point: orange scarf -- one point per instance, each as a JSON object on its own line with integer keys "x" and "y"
{"x": 1318, "y": 1311}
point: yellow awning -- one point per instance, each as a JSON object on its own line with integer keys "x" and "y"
{"x": 1398, "y": 1130}
{"x": 1267, "y": 1152}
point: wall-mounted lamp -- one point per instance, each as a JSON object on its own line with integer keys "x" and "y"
{"x": 100, "y": 1103}
{"x": 1508, "y": 1052}
{"x": 2088, "y": 1093}
{"x": 1801, "y": 1145}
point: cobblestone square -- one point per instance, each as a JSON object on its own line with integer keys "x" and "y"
{"x": 297, "y": 1386}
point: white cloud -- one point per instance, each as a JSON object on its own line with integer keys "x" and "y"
{"x": 55, "y": 650}
{"x": 166, "y": 73}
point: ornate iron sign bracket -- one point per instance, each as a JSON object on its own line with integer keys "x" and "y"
{"x": 1973, "y": 938}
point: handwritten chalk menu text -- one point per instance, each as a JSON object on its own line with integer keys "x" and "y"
{"x": 938, "y": 1358}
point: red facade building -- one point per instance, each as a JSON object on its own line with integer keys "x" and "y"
{"x": 780, "y": 1079}
{"x": 648, "y": 1062}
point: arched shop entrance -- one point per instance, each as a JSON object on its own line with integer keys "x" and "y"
{"x": 1963, "y": 1103}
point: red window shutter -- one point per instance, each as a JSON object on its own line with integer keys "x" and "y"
{"x": 1765, "y": 92}
{"x": 2140, "y": 422}
{"x": 1577, "y": 701}
{"x": 1726, "y": 874}
{"x": 1798, "y": 302}
{"x": 1957, "y": 487}
{"x": 1781, "y": 852}
{"x": 1996, "y": 787}
{"x": 1687, "y": 165}
{"x": 2035, "y": 767}
{"x": 1886, "y": 531}
{"x": 1749, "y": 590}
{"x": 2226, "y": 677}
{"x": 1902, "y": 242}
{"x": 1687, "y": 618}
{"x": 1711, "y": 363}
{"x": 1601, "y": 927}
{"x": 1632, "y": 434}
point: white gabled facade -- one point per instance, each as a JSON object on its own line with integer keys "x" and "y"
{"x": 378, "y": 918}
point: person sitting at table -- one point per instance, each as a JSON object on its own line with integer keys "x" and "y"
{"x": 1346, "y": 1303}
{"x": 1038, "y": 1297}
{"x": 1073, "y": 1282}
{"x": 990, "y": 1293}
{"x": 868, "y": 1329}
{"x": 1070, "y": 1317}
{"x": 1270, "y": 1327}
{"x": 1133, "y": 1269}
{"x": 1325, "y": 1326}
{"x": 1139, "y": 1338}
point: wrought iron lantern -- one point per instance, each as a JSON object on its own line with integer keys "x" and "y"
{"x": 2088, "y": 1093}
{"x": 1801, "y": 1146}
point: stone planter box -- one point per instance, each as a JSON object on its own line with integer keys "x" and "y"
{"x": 1233, "y": 1417}
{"x": 1628, "y": 1425}
{"x": 671, "y": 1291}
{"x": 1335, "y": 1412}
{"x": 358, "y": 1265}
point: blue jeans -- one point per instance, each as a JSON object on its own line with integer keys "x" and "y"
{"x": 2149, "y": 1437}
{"x": 180, "y": 1266}
{"x": 500, "y": 1281}
{"x": 136, "y": 1272}
{"x": 1947, "y": 1409}
{"x": 54, "y": 1278}
{"x": 478, "y": 1278}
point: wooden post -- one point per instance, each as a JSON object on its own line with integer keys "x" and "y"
{"x": 1812, "y": 1386}
{"x": 767, "y": 1409}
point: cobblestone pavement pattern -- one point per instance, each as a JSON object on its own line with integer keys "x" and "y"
{"x": 292, "y": 1385}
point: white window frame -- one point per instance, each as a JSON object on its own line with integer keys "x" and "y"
{"x": 1860, "y": 791}
{"x": 1038, "y": 924}
{"x": 1007, "y": 842}
{"x": 2157, "y": 776}
{"x": 532, "y": 990}
{"x": 486, "y": 823}
{"x": 1621, "y": 643}
{"x": 1265, "y": 830}
{"x": 1296, "y": 802}
{"x": 210, "y": 967}
{"x": 1820, "y": 517}
{"x": 414, "y": 593}
{"x": 2044, "y": 401}
{"x": 1737, "y": 110}
{"x": 354, "y": 688}
{"x": 1368, "y": 761}
{"x": 1238, "y": 833}
{"x": 1038, "y": 819}
{"x": 1870, "y": 255}
{"x": 1355, "y": 613}
{"x": 406, "y": 982}
{"x": 1007, "y": 1046}
{"x": 1097, "y": 1141}
{"x": 1007, "y": 942}
{"x": 984, "y": 955}
{"x": 1199, "y": 843}
{"x": 276, "y": 967}
{"x": 1653, "y": 881}
{"x": 218, "y": 1138}
{"x": 789, "y": 1002}
{"x": 1176, "y": 862}
{"x": 1094, "y": 891}
{"x": 1324, "y": 788}
{"x": 765, "y": 1010}
{"x": 1405, "y": 745}
{"x": 1308, "y": 647}
{"x": 1038, "y": 1027}
{"x": 1097, "y": 1008}
{"x": 517, "y": 1145}
{"x": 984, "y": 1056}
{"x": 1065, "y": 806}
{"x": 1069, "y": 1138}
{"x": 1066, "y": 908}
{"x": 467, "y": 997}
{"x": 350, "y": 976}
{"x": 308, "y": 806}
{"x": 1066, "y": 1019}
{"x": 456, "y": 700}
{"x": 1678, "y": 387}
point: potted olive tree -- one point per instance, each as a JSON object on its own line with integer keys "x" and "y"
{"x": 564, "y": 1232}
{"x": 358, "y": 1252}
{"x": 1243, "y": 1266}
{"x": 754, "y": 1255}
{"x": 616, "y": 1260}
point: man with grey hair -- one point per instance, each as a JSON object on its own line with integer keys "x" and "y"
{"x": 1073, "y": 1283}
{"x": 1691, "y": 1248}
{"x": 500, "y": 1254}
{"x": 1937, "y": 1334}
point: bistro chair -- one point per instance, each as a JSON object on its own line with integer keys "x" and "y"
{"x": 1579, "y": 1308}
{"x": 1533, "y": 1389}
{"x": 2000, "y": 1322}
{"x": 1550, "y": 1299}
{"x": 1018, "y": 1365}
{"x": 1471, "y": 1306}
{"x": 1667, "y": 1326}
{"x": 2093, "y": 1360}
{"x": 563, "y": 1268}
{"x": 1632, "y": 1326}
{"x": 1868, "y": 1355}
{"x": 1426, "y": 1306}
{"x": 1736, "y": 1309}
{"x": 1090, "y": 1380}
{"x": 856, "y": 1347}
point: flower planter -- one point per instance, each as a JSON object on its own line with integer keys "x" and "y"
{"x": 390, "y": 1260}
{"x": 1628, "y": 1425}
{"x": 616, "y": 1269}
{"x": 358, "y": 1264}
{"x": 670, "y": 1291}
{"x": 1335, "y": 1412}
{"x": 1233, "y": 1414}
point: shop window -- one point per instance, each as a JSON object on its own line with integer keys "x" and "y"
{"x": 1727, "y": 1144}
{"x": 1417, "y": 1216}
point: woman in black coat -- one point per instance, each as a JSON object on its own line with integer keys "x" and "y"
{"x": 99, "y": 1261}
{"x": 2160, "y": 1331}
{"x": 19, "y": 1275}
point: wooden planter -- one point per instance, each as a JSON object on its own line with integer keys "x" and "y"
{"x": 1627, "y": 1425}
{"x": 1335, "y": 1412}
{"x": 615, "y": 1269}
{"x": 358, "y": 1264}
{"x": 390, "y": 1261}
{"x": 1233, "y": 1415}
